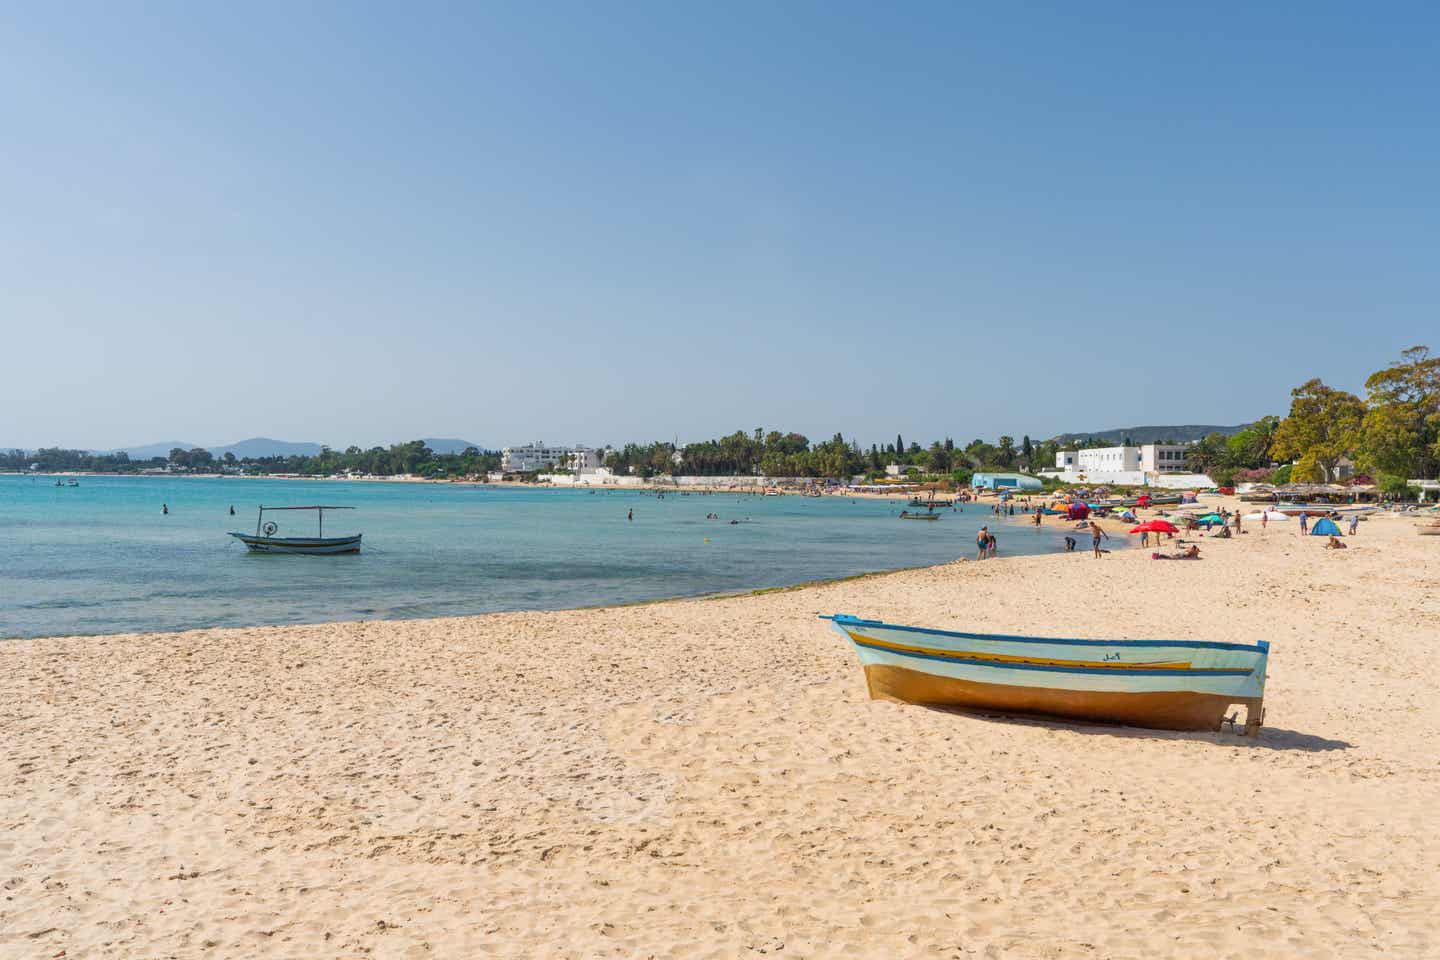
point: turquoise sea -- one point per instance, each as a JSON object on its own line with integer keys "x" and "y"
{"x": 100, "y": 557}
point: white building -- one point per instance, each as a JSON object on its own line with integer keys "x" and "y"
{"x": 1163, "y": 457}
{"x": 1148, "y": 458}
{"x": 537, "y": 456}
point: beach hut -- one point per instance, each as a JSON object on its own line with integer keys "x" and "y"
{"x": 1324, "y": 527}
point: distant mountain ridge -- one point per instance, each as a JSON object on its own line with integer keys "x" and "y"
{"x": 1182, "y": 433}
{"x": 254, "y": 447}
{"x": 259, "y": 447}
{"x": 449, "y": 444}
{"x": 150, "y": 450}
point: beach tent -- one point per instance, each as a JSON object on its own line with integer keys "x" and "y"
{"x": 1077, "y": 511}
{"x": 1324, "y": 527}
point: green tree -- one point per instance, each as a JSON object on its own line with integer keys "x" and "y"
{"x": 1401, "y": 431}
{"x": 939, "y": 458}
{"x": 1324, "y": 425}
{"x": 1005, "y": 451}
{"x": 1207, "y": 454}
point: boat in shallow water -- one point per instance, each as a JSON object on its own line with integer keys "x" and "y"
{"x": 263, "y": 540}
{"x": 1162, "y": 684}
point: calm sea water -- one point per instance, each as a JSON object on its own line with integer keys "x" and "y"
{"x": 100, "y": 557}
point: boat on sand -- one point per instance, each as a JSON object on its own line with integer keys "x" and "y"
{"x": 1161, "y": 684}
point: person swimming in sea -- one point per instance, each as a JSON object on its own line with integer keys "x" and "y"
{"x": 165, "y": 509}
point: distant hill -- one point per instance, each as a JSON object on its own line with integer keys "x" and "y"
{"x": 254, "y": 447}
{"x": 265, "y": 447}
{"x": 449, "y": 444}
{"x": 1184, "y": 433}
{"x": 150, "y": 450}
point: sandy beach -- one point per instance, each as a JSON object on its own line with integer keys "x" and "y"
{"x": 707, "y": 778}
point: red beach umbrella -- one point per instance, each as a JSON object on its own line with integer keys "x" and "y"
{"x": 1155, "y": 526}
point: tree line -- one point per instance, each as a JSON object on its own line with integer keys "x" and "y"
{"x": 413, "y": 458}
{"x": 1393, "y": 432}
{"x": 776, "y": 454}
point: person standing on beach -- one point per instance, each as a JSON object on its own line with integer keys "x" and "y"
{"x": 982, "y": 542}
{"x": 1095, "y": 534}
{"x": 1264, "y": 520}
{"x": 1354, "y": 524}
{"x": 1304, "y": 523}
{"x": 1237, "y": 520}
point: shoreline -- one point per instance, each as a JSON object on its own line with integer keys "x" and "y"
{"x": 706, "y": 488}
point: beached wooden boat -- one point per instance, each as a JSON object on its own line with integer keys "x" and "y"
{"x": 1428, "y": 529}
{"x": 1163, "y": 684}
{"x": 263, "y": 540}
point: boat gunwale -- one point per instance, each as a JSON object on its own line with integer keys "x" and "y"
{"x": 970, "y": 660}
{"x": 1260, "y": 646}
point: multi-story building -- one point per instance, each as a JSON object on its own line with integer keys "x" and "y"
{"x": 1099, "y": 460}
{"x": 1147, "y": 458}
{"x": 1163, "y": 457}
{"x": 536, "y": 456}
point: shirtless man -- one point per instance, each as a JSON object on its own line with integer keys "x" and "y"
{"x": 1095, "y": 534}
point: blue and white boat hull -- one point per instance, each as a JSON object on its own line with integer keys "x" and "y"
{"x": 1165, "y": 684}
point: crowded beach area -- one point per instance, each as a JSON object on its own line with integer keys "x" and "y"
{"x": 709, "y": 778}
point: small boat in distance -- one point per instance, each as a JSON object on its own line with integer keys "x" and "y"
{"x": 1162, "y": 684}
{"x": 265, "y": 541}
{"x": 907, "y": 515}
{"x": 917, "y": 502}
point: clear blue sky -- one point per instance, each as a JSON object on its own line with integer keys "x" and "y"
{"x": 602, "y": 222}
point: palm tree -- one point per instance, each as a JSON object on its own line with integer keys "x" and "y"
{"x": 1007, "y": 451}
